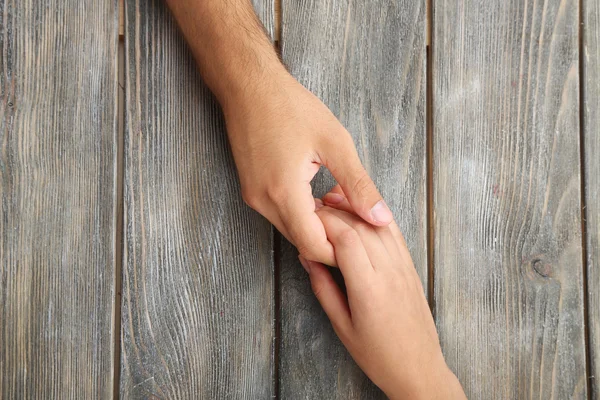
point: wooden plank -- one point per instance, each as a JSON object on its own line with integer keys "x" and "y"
{"x": 366, "y": 61}
{"x": 508, "y": 246}
{"x": 198, "y": 284}
{"x": 58, "y": 82}
{"x": 265, "y": 10}
{"x": 591, "y": 125}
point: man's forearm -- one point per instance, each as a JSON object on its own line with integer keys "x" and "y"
{"x": 232, "y": 50}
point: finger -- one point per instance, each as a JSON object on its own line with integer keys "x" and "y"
{"x": 330, "y": 296}
{"x": 318, "y": 204}
{"x": 338, "y": 202}
{"x": 390, "y": 235}
{"x": 337, "y": 189}
{"x": 377, "y": 241}
{"x": 395, "y": 245}
{"x": 272, "y": 215}
{"x": 297, "y": 212}
{"x": 350, "y": 253}
{"x": 335, "y": 199}
{"x": 345, "y": 166}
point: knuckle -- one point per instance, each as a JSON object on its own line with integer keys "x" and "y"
{"x": 362, "y": 228}
{"x": 398, "y": 283}
{"x": 304, "y": 247}
{"x": 309, "y": 249}
{"x": 344, "y": 138}
{"x": 363, "y": 185}
{"x": 304, "y": 251}
{"x": 349, "y": 237}
{"x": 277, "y": 194}
{"x": 251, "y": 198}
{"x": 317, "y": 289}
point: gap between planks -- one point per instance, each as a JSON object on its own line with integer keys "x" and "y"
{"x": 277, "y": 20}
{"x": 119, "y": 182}
{"x": 582, "y": 175}
{"x": 277, "y": 239}
{"x": 429, "y": 155}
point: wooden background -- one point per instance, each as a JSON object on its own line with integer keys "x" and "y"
{"x": 130, "y": 267}
{"x": 58, "y": 144}
{"x": 508, "y": 267}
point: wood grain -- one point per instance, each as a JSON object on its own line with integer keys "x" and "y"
{"x": 591, "y": 125}
{"x": 265, "y": 10}
{"x": 507, "y": 193}
{"x": 366, "y": 61}
{"x": 58, "y": 83}
{"x": 198, "y": 280}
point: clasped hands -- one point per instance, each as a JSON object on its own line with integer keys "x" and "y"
{"x": 280, "y": 136}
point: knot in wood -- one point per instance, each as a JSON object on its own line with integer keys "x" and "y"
{"x": 541, "y": 268}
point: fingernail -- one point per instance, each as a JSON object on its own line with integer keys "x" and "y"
{"x": 318, "y": 203}
{"x": 333, "y": 198}
{"x": 381, "y": 213}
{"x": 304, "y": 263}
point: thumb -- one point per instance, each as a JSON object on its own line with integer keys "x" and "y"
{"x": 363, "y": 196}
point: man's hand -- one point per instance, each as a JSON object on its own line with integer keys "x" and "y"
{"x": 280, "y": 133}
{"x": 385, "y": 322}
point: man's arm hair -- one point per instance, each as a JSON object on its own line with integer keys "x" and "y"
{"x": 229, "y": 43}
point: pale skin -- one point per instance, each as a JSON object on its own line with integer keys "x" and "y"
{"x": 384, "y": 319}
{"x": 280, "y": 135}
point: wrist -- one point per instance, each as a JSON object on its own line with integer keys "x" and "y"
{"x": 255, "y": 88}
{"x": 440, "y": 383}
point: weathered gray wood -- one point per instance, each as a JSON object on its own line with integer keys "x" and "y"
{"x": 265, "y": 10}
{"x": 366, "y": 61}
{"x": 58, "y": 85}
{"x": 198, "y": 304}
{"x": 508, "y": 245}
{"x": 591, "y": 125}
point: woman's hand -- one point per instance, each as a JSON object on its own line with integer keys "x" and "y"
{"x": 385, "y": 322}
{"x": 280, "y": 135}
